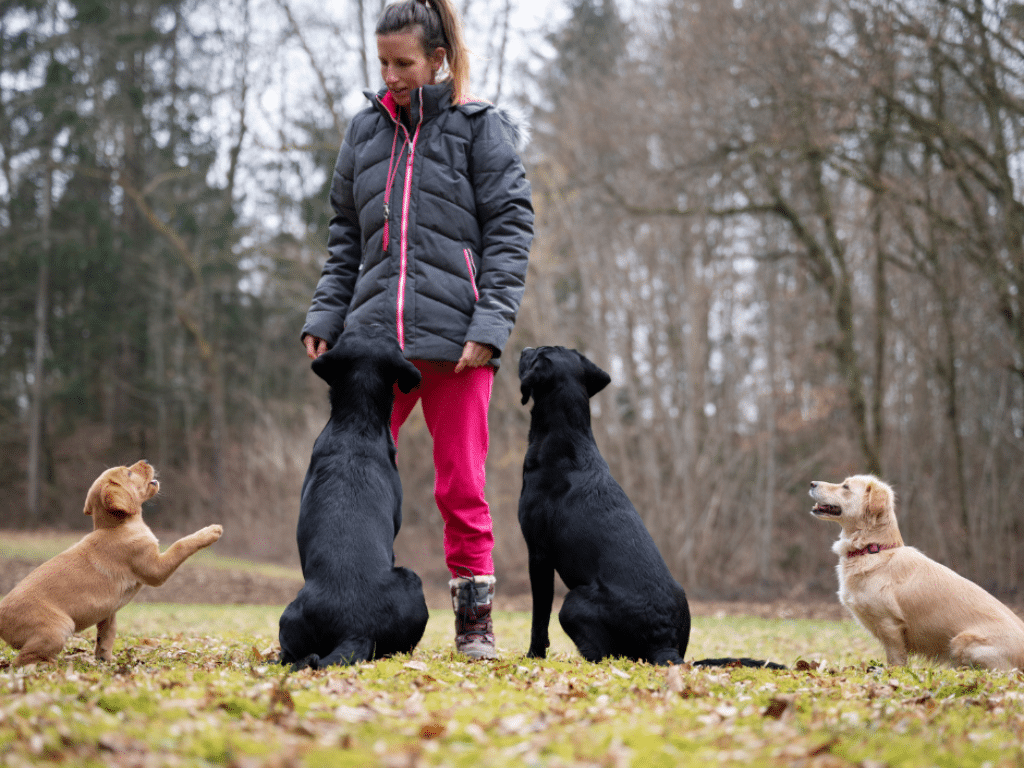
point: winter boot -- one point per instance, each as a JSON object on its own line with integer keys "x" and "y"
{"x": 474, "y": 630}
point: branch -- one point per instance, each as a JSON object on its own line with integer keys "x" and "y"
{"x": 328, "y": 95}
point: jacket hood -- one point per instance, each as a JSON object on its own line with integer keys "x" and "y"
{"x": 430, "y": 100}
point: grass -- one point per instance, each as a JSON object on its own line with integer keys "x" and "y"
{"x": 197, "y": 686}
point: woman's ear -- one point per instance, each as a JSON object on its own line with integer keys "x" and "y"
{"x": 437, "y": 58}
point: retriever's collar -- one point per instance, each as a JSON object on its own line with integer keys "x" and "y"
{"x": 870, "y": 549}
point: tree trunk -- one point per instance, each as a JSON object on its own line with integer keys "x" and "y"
{"x": 35, "y": 421}
{"x": 768, "y": 521}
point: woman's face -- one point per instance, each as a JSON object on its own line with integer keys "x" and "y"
{"x": 404, "y": 65}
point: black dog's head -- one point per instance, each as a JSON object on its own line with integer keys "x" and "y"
{"x": 543, "y": 368}
{"x": 369, "y": 348}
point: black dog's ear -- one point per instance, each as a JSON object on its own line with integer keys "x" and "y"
{"x": 526, "y": 390}
{"x": 594, "y": 378}
{"x": 408, "y": 376}
{"x": 327, "y": 366}
{"x": 527, "y": 374}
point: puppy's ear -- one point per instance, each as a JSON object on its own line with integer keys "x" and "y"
{"x": 118, "y": 499}
{"x": 94, "y": 498}
{"x": 594, "y": 378}
{"x": 878, "y": 499}
{"x": 408, "y": 376}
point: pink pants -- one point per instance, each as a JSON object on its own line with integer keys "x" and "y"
{"x": 455, "y": 409}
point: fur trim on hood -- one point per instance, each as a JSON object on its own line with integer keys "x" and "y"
{"x": 518, "y": 124}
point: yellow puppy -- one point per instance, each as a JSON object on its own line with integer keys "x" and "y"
{"x": 911, "y": 603}
{"x": 89, "y": 582}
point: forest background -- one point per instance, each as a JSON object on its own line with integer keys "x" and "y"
{"x": 791, "y": 230}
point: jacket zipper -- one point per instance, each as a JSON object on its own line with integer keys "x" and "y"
{"x": 404, "y": 229}
{"x": 404, "y": 262}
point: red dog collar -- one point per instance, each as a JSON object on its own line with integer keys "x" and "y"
{"x": 871, "y": 549}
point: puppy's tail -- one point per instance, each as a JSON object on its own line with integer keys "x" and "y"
{"x": 739, "y": 662}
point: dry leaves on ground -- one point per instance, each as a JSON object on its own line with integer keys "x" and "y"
{"x": 212, "y": 694}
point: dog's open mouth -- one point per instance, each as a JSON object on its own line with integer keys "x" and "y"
{"x": 826, "y": 510}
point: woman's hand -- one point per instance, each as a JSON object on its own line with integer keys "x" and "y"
{"x": 315, "y": 346}
{"x": 474, "y": 355}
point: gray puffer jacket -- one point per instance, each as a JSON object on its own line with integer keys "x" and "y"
{"x": 432, "y": 227}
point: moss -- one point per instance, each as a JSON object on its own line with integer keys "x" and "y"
{"x": 213, "y": 747}
{"x": 337, "y": 757}
{"x": 236, "y": 706}
{"x": 128, "y": 701}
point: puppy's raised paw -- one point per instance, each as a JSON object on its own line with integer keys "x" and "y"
{"x": 210, "y": 534}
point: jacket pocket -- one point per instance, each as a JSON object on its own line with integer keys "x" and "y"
{"x": 471, "y": 269}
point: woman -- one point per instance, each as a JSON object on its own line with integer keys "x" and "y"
{"x": 430, "y": 237}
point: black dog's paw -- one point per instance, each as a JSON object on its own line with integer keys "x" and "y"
{"x": 666, "y": 657}
{"x": 534, "y": 653}
{"x": 310, "y": 662}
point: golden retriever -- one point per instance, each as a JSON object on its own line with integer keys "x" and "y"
{"x": 90, "y": 581}
{"x": 911, "y": 603}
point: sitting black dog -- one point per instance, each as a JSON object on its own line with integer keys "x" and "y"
{"x": 577, "y": 520}
{"x": 355, "y": 605}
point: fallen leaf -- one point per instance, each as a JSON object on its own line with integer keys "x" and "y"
{"x": 514, "y": 724}
{"x": 353, "y": 714}
{"x": 674, "y": 678}
{"x": 432, "y": 730}
{"x": 281, "y": 700}
{"x": 823, "y": 748}
{"x": 777, "y": 706}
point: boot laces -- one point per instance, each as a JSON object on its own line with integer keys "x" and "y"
{"x": 467, "y": 605}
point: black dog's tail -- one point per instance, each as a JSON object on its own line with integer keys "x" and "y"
{"x": 349, "y": 651}
{"x": 740, "y": 662}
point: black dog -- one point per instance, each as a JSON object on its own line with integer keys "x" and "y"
{"x": 355, "y": 605}
{"x": 578, "y": 521}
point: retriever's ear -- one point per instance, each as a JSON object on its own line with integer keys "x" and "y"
{"x": 408, "y": 376}
{"x": 878, "y": 499}
{"x": 594, "y": 378}
{"x": 118, "y": 499}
